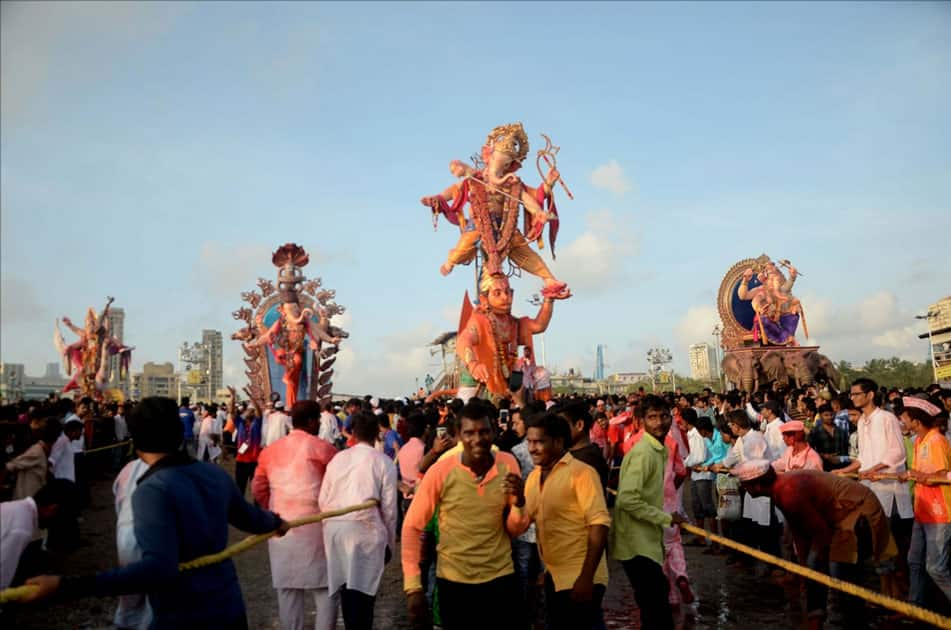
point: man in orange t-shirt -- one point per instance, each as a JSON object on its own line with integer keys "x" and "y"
{"x": 930, "y": 548}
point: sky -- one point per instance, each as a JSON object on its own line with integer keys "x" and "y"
{"x": 159, "y": 152}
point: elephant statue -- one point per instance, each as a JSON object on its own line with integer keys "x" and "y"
{"x": 809, "y": 367}
{"x": 743, "y": 370}
{"x": 775, "y": 370}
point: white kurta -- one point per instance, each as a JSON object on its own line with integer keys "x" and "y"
{"x": 774, "y": 439}
{"x": 133, "y": 610}
{"x": 276, "y": 425}
{"x": 18, "y": 523}
{"x": 881, "y": 442}
{"x": 751, "y": 446}
{"x": 356, "y": 542}
{"x": 62, "y": 459}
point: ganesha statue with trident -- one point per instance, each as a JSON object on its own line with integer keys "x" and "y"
{"x": 490, "y": 336}
{"x": 87, "y": 359}
{"x": 496, "y": 195}
{"x": 778, "y": 312}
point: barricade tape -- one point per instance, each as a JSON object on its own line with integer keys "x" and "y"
{"x": 904, "y": 608}
{"x": 16, "y": 593}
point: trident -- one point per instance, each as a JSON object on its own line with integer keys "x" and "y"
{"x": 548, "y": 154}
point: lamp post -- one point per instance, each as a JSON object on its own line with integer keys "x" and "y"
{"x": 928, "y": 317}
{"x": 536, "y": 300}
{"x": 717, "y": 332}
{"x": 657, "y": 358}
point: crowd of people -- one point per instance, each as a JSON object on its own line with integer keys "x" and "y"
{"x": 489, "y": 506}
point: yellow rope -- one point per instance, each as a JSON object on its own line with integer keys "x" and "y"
{"x": 16, "y": 593}
{"x": 893, "y": 477}
{"x": 909, "y": 610}
{"x": 106, "y": 448}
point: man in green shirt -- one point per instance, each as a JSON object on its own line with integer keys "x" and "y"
{"x": 637, "y": 537}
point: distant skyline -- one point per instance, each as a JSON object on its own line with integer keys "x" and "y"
{"x": 159, "y": 152}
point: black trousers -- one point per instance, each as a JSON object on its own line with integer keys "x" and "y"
{"x": 243, "y": 471}
{"x": 492, "y": 605}
{"x": 651, "y": 591}
{"x": 564, "y": 614}
{"x": 357, "y": 609}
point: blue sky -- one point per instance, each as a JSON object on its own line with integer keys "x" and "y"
{"x": 159, "y": 152}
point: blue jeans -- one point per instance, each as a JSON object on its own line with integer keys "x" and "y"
{"x": 528, "y": 566}
{"x": 928, "y": 557}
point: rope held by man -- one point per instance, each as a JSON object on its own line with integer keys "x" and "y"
{"x": 909, "y": 610}
{"x": 13, "y": 594}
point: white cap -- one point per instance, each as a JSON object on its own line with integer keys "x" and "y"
{"x": 374, "y": 402}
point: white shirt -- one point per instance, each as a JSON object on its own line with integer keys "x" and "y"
{"x": 881, "y": 442}
{"x": 121, "y": 428}
{"x": 355, "y": 542}
{"x": 133, "y": 610}
{"x": 62, "y": 459}
{"x": 329, "y": 430}
{"x": 751, "y": 446}
{"x": 276, "y": 425}
{"x": 18, "y": 523}
{"x": 774, "y": 438}
{"x": 207, "y": 427}
{"x": 697, "y": 455}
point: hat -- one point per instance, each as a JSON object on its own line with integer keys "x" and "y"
{"x": 793, "y": 426}
{"x": 920, "y": 403}
{"x": 751, "y": 469}
{"x": 775, "y": 407}
{"x": 374, "y": 402}
{"x": 73, "y": 421}
{"x": 279, "y": 405}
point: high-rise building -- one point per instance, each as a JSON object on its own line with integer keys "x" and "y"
{"x": 155, "y": 379}
{"x": 212, "y": 340}
{"x": 117, "y": 330}
{"x": 201, "y": 366}
{"x": 703, "y": 362}
{"x": 11, "y": 381}
{"x": 16, "y": 384}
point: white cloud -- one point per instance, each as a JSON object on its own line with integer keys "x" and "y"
{"x": 387, "y": 366}
{"x": 611, "y": 177}
{"x": 696, "y": 326}
{"x": 595, "y": 261}
{"x": 875, "y": 326}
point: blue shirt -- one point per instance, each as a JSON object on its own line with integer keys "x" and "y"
{"x": 716, "y": 449}
{"x": 391, "y": 439}
{"x": 188, "y": 420}
{"x": 182, "y": 512}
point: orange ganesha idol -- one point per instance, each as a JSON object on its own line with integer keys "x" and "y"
{"x": 495, "y": 195}
{"x": 489, "y": 338}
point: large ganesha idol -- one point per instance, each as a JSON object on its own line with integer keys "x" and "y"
{"x": 496, "y": 197}
{"x": 777, "y": 312}
{"x": 289, "y": 342}
{"x": 86, "y": 360}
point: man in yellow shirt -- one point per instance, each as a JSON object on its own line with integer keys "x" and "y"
{"x": 478, "y": 514}
{"x": 563, "y": 496}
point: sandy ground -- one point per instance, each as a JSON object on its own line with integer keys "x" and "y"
{"x": 728, "y": 597}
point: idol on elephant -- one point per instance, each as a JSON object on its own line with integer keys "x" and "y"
{"x": 774, "y": 369}
{"x": 496, "y": 197}
{"x": 742, "y": 369}
{"x": 812, "y": 367}
{"x": 778, "y": 311}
